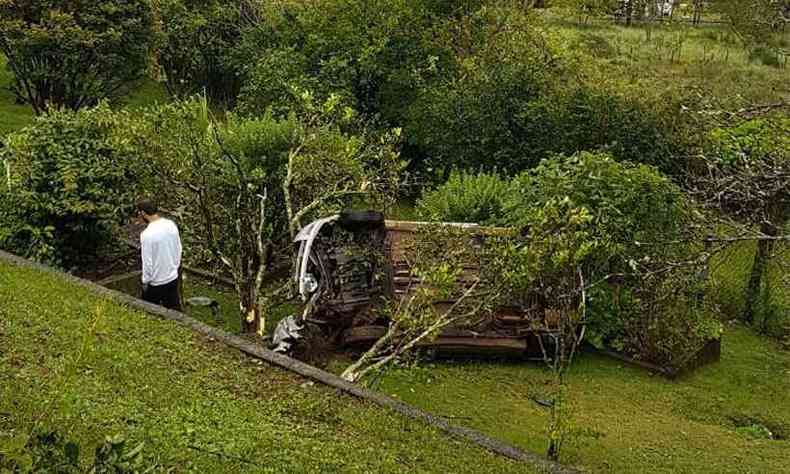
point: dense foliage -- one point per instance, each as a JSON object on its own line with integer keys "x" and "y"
{"x": 198, "y": 40}
{"x": 307, "y": 105}
{"x": 598, "y": 158}
{"x": 72, "y": 54}
{"x": 634, "y": 228}
{"x": 640, "y": 302}
{"x": 631, "y": 204}
{"x": 475, "y": 198}
{"x": 50, "y": 451}
{"x": 70, "y": 179}
{"x": 242, "y": 187}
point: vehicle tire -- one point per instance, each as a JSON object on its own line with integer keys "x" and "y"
{"x": 360, "y": 220}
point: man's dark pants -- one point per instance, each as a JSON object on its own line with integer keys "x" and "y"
{"x": 166, "y": 295}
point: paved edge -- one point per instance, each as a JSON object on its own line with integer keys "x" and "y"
{"x": 306, "y": 370}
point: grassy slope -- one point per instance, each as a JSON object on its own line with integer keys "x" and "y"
{"x": 635, "y": 422}
{"x": 198, "y": 405}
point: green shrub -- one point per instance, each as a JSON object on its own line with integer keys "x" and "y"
{"x": 73, "y": 54}
{"x": 511, "y": 99}
{"x": 196, "y": 55}
{"x": 636, "y": 305}
{"x": 625, "y": 122}
{"x": 743, "y": 180}
{"x": 765, "y": 55}
{"x": 479, "y": 112}
{"x": 596, "y": 45}
{"x": 370, "y": 52}
{"x": 477, "y": 198}
{"x": 659, "y": 318}
{"x": 631, "y": 204}
{"x": 275, "y": 83}
{"x": 756, "y": 139}
{"x": 71, "y": 177}
{"x": 51, "y": 451}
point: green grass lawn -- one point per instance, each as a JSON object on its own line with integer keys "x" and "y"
{"x": 228, "y": 317}
{"x": 74, "y": 362}
{"x": 628, "y": 420}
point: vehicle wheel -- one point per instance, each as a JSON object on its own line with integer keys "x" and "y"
{"x": 358, "y": 220}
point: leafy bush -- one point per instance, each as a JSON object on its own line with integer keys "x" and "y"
{"x": 71, "y": 177}
{"x": 50, "y": 451}
{"x": 243, "y": 187}
{"x": 479, "y": 112}
{"x": 625, "y": 122}
{"x": 596, "y": 45}
{"x": 368, "y": 52}
{"x": 631, "y": 204}
{"x": 514, "y": 96}
{"x": 275, "y": 83}
{"x": 636, "y": 304}
{"x": 765, "y": 55}
{"x": 743, "y": 181}
{"x": 73, "y": 54}
{"x": 196, "y": 54}
{"x": 755, "y": 139}
{"x": 465, "y": 197}
{"x": 662, "y": 319}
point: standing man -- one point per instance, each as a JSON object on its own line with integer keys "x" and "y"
{"x": 160, "y": 244}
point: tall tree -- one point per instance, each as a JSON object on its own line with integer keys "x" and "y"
{"x": 73, "y": 54}
{"x": 243, "y": 187}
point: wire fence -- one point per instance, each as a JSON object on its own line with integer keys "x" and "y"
{"x": 752, "y": 284}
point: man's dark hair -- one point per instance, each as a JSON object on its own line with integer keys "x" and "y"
{"x": 147, "y": 206}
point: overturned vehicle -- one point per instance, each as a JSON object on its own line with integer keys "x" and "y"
{"x": 349, "y": 265}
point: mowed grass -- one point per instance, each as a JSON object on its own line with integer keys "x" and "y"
{"x": 625, "y": 419}
{"x": 84, "y": 366}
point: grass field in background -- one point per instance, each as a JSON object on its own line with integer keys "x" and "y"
{"x": 708, "y": 58}
{"x": 84, "y": 366}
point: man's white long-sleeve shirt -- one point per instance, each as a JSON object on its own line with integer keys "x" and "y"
{"x": 161, "y": 252}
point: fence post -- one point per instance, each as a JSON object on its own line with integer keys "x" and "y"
{"x": 705, "y": 272}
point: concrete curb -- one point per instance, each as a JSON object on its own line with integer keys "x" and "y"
{"x": 307, "y": 371}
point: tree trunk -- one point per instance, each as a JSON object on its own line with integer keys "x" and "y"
{"x": 629, "y": 12}
{"x": 675, "y": 7}
{"x": 764, "y": 249}
{"x": 252, "y": 321}
{"x": 697, "y": 12}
